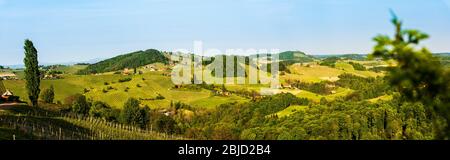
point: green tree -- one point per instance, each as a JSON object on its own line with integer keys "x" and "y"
{"x": 98, "y": 108}
{"x": 32, "y": 74}
{"x": 418, "y": 75}
{"x": 166, "y": 124}
{"x": 80, "y": 105}
{"x": 48, "y": 95}
{"x": 134, "y": 115}
{"x": 144, "y": 117}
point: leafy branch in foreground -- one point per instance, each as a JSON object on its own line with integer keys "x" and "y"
{"x": 417, "y": 75}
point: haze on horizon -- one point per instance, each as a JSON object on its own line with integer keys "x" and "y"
{"x": 81, "y": 30}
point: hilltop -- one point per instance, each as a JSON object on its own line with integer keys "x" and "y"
{"x": 130, "y": 60}
{"x": 296, "y": 56}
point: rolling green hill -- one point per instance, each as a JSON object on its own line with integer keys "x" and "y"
{"x": 296, "y": 56}
{"x": 130, "y": 60}
{"x": 115, "y": 93}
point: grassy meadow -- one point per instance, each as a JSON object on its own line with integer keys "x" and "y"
{"x": 107, "y": 88}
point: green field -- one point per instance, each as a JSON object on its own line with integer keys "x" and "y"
{"x": 70, "y": 69}
{"x": 316, "y": 73}
{"x": 381, "y": 98}
{"x": 151, "y": 84}
{"x": 289, "y": 110}
{"x": 340, "y": 92}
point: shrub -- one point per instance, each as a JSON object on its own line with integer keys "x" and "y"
{"x": 358, "y": 66}
{"x": 80, "y": 105}
{"x": 125, "y": 80}
{"x": 48, "y": 95}
{"x": 134, "y": 115}
{"x": 160, "y": 97}
{"x": 165, "y": 124}
{"x": 103, "y": 110}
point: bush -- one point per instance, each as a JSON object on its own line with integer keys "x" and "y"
{"x": 134, "y": 115}
{"x": 125, "y": 80}
{"x": 80, "y": 105}
{"x": 97, "y": 109}
{"x": 86, "y": 90}
{"x": 160, "y": 97}
{"x": 166, "y": 124}
{"x": 48, "y": 95}
{"x": 357, "y": 66}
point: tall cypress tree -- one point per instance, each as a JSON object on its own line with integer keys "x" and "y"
{"x": 32, "y": 75}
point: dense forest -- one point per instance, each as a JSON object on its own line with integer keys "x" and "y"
{"x": 364, "y": 88}
{"x": 131, "y": 60}
{"x": 334, "y": 120}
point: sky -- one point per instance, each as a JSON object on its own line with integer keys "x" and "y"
{"x": 81, "y": 30}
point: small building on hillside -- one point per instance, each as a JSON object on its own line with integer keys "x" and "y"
{"x": 7, "y": 94}
{"x": 222, "y": 93}
{"x": 8, "y": 76}
{"x": 52, "y": 76}
{"x": 286, "y": 86}
{"x": 178, "y": 86}
{"x": 127, "y": 71}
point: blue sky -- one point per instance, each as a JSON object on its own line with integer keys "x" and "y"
{"x": 79, "y": 30}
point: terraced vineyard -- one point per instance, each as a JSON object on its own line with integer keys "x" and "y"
{"x": 29, "y": 124}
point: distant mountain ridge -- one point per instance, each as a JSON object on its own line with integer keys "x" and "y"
{"x": 129, "y": 60}
{"x": 293, "y": 56}
{"x": 344, "y": 56}
{"x": 21, "y": 66}
{"x": 141, "y": 58}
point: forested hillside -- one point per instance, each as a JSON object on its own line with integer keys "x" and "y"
{"x": 296, "y": 56}
{"x": 131, "y": 60}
